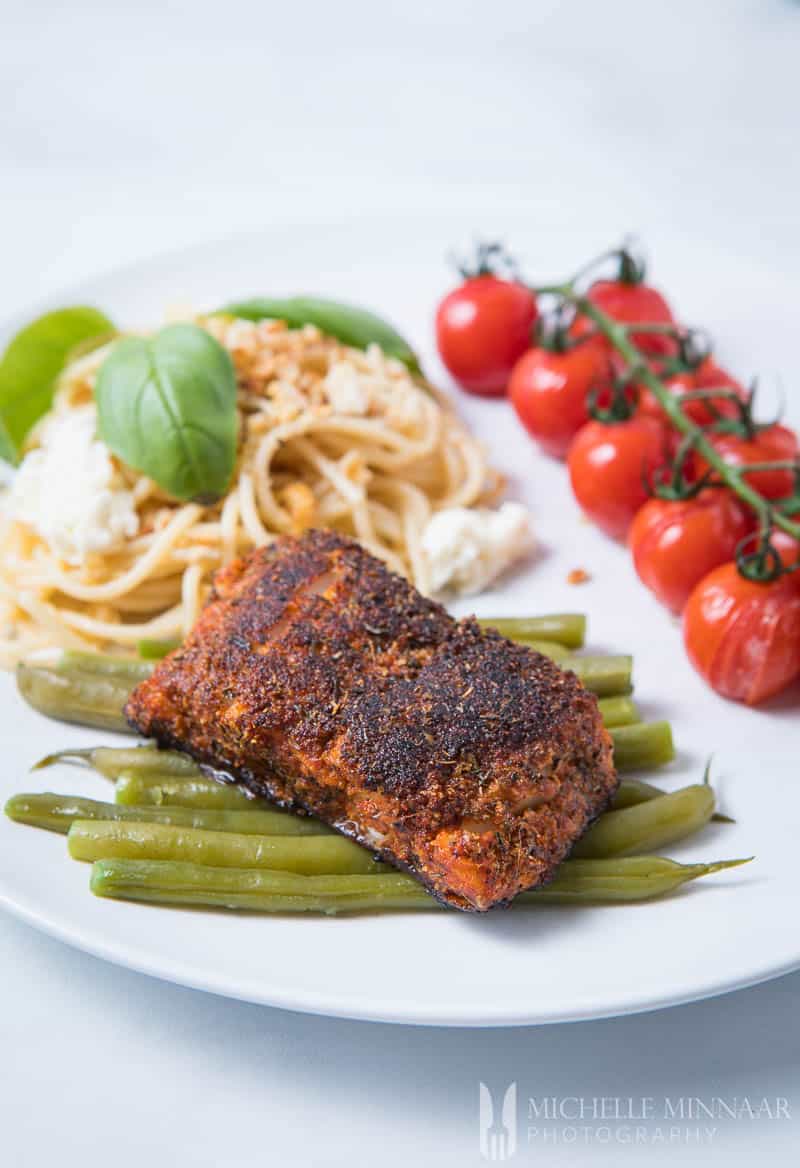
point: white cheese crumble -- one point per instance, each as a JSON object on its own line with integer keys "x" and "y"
{"x": 69, "y": 491}
{"x": 370, "y": 382}
{"x": 347, "y": 390}
{"x": 466, "y": 549}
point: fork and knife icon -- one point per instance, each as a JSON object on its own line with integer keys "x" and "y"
{"x": 498, "y": 1137}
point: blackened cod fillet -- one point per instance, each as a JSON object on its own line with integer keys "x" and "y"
{"x": 318, "y": 678}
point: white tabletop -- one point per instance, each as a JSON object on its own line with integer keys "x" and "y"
{"x": 124, "y": 133}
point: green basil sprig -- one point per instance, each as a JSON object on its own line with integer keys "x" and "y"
{"x": 31, "y": 364}
{"x": 166, "y": 406}
{"x": 353, "y": 326}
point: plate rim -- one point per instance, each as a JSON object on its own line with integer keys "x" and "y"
{"x": 322, "y": 1003}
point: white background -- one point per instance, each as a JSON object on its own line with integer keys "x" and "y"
{"x": 127, "y": 130}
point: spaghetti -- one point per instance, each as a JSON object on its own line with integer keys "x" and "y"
{"x": 329, "y": 436}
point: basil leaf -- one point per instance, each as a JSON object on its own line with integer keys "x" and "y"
{"x": 353, "y": 326}
{"x": 166, "y": 406}
{"x": 30, "y": 367}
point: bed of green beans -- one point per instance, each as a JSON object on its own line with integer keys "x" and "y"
{"x": 173, "y": 835}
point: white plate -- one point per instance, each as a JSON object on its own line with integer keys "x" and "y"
{"x": 552, "y": 965}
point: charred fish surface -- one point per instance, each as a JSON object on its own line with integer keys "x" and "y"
{"x": 318, "y": 678}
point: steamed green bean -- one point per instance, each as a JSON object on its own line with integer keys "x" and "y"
{"x": 634, "y": 830}
{"x": 577, "y": 882}
{"x": 57, "y": 813}
{"x": 648, "y": 826}
{"x": 551, "y": 649}
{"x": 633, "y": 791}
{"x": 152, "y": 650}
{"x": 88, "y": 699}
{"x": 619, "y": 711}
{"x": 127, "y": 669}
{"x": 642, "y": 746}
{"x": 568, "y": 628}
{"x": 112, "y": 761}
{"x": 604, "y": 676}
{"x": 182, "y": 791}
{"x": 311, "y": 855}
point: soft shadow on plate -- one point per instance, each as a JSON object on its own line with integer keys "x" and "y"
{"x": 526, "y": 926}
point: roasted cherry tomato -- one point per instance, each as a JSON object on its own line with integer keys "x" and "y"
{"x": 775, "y": 443}
{"x": 550, "y": 391}
{"x": 482, "y": 329}
{"x": 609, "y": 466}
{"x": 699, "y": 410}
{"x": 631, "y": 303}
{"x": 743, "y": 637}
{"x": 676, "y": 544}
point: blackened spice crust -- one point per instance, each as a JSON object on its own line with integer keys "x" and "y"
{"x": 318, "y": 678}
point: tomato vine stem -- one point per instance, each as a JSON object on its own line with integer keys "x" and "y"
{"x": 767, "y": 512}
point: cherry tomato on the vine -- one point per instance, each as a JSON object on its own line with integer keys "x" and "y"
{"x": 775, "y": 443}
{"x": 631, "y": 303}
{"x": 550, "y": 391}
{"x": 787, "y": 545}
{"x": 482, "y": 328}
{"x": 710, "y": 375}
{"x": 676, "y": 543}
{"x": 609, "y": 466}
{"x": 742, "y": 636}
{"x": 698, "y": 410}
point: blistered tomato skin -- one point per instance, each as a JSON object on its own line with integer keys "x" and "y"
{"x": 482, "y": 329}
{"x": 609, "y": 466}
{"x": 743, "y": 637}
{"x": 675, "y": 544}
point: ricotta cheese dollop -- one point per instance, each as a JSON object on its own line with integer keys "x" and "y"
{"x": 466, "y": 549}
{"x": 70, "y": 492}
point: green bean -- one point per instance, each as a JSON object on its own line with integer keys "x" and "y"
{"x": 605, "y": 676}
{"x": 57, "y": 813}
{"x": 620, "y": 711}
{"x": 551, "y": 649}
{"x": 127, "y": 669}
{"x": 633, "y": 791}
{"x": 650, "y": 825}
{"x": 90, "y": 699}
{"x": 182, "y": 791}
{"x": 259, "y": 890}
{"x": 625, "y": 879}
{"x": 150, "y": 650}
{"x": 577, "y": 882}
{"x": 111, "y": 761}
{"x": 311, "y": 855}
{"x": 568, "y": 628}
{"x": 642, "y": 746}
